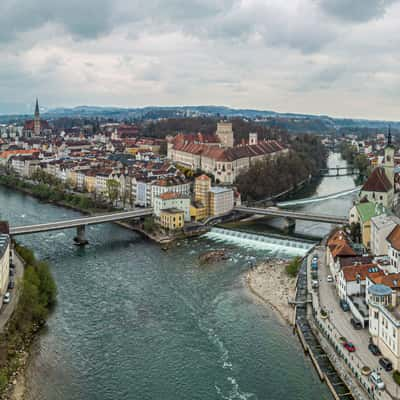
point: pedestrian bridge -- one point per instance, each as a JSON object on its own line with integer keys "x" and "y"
{"x": 292, "y": 215}
{"x": 80, "y": 223}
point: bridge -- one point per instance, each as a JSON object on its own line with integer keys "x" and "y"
{"x": 336, "y": 171}
{"x": 291, "y": 216}
{"x": 80, "y": 223}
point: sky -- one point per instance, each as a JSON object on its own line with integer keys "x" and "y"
{"x": 333, "y": 57}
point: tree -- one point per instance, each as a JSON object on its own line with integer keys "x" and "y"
{"x": 112, "y": 189}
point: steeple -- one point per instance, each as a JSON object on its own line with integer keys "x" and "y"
{"x": 37, "y": 113}
{"x": 36, "y": 121}
{"x": 389, "y": 137}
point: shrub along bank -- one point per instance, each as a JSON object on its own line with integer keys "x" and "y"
{"x": 37, "y": 297}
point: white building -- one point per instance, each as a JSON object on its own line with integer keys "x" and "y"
{"x": 171, "y": 200}
{"x": 221, "y": 200}
{"x": 381, "y": 226}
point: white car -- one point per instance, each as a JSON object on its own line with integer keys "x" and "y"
{"x": 376, "y": 379}
{"x": 7, "y": 298}
{"x": 329, "y": 278}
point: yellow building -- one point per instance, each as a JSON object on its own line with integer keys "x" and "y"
{"x": 198, "y": 212}
{"x": 172, "y": 219}
{"x": 90, "y": 181}
{"x": 202, "y": 186}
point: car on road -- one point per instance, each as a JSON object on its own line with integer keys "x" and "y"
{"x": 349, "y": 347}
{"x": 344, "y": 305}
{"x": 329, "y": 278}
{"x": 11, "y": 284}
{"x": 315, "y": 257}
{"x": 314, "y": 266}
{"x": 374, "y": 349}
{"x": 386, "y": 364}
{"x": 376, "y": 379}
{"x": 356, "y": 324}
{"x": 12, "y": 272}
{"x": 7, "y": 298}
{"x": 315, "y": 284}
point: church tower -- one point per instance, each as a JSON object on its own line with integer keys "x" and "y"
{"x": 225, "y": 133}
{"x": 36, "y": 121}
{"x": 388, "y": 163}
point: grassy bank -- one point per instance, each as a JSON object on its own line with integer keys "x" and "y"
{"x": 37, "y": 296}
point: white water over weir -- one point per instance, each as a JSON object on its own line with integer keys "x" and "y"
{"x": 260, "y": 242}
{"x": 317, "y": 199}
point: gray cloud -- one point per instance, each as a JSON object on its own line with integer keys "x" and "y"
{"x": 283, "y": 55}
{"x": 356, "y": 10}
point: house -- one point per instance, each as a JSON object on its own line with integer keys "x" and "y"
{"x": 351, "y": 287}
{"x": 381, "y": 226}
{"x": 338, "y": 247}
{"x": 172, "y": 219}
{"x": 172, "y": 200}
{"x": 220, "y": 201}
{"x": 362, "y": 213}
{"x": 393, "y": 241}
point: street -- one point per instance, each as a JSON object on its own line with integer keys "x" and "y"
{"x": 7, "y": 309}
{"x": 341, "y": 320}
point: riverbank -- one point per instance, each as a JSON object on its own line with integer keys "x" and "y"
{"x": 270, "y": 283}
{"x": 36, "y": 297}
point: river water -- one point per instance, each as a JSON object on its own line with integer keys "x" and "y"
{"x": 134, "y": 322}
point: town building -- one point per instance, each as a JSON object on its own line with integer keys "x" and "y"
{"x": 361, "y": 214}
{"x": 172, "y": 200}
{"x": 36, "y": 126}
{"x": 172, "y": 219}
{"x": 221, "y": 200}
{"x": 393, "y": 241}
{"x": 381, "y": 226}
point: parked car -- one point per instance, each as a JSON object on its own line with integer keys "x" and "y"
{"x": 386, "y": 364}
{"x": 314, "y": 284}
{"x": 344, "y": 305}
{"x": 315, "y": 257}
{"x": 376, "y": 379}
{"x": 374, "y": 349}
{"x": 7, "y": 298}
{"x": 12, "y": 272}
{"x": 11, "y": 284}
{"x": 329, "y": 278}
{"x": 349, "y": 347}
{"x": 356, "y": 324}
{"x": 314, "y": 275}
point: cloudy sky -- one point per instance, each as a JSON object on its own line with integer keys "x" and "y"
{"x": 336, "y": 57}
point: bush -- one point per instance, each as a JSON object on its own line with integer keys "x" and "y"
{"x": 292, "y": 269}
{"x": 396, "y": 376}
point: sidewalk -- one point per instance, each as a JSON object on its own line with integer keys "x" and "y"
{"x": 8, "y": 309}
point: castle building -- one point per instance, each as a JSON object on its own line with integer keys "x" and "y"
{"x": 225, "y": 133}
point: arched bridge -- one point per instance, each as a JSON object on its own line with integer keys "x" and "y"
{"x": 292, "y": 215}
{"x": 80, "y": 223}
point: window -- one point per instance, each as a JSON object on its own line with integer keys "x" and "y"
{"x": 376, "y": 314}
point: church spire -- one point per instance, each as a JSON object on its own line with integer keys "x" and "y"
{"x": 389, "y": 138}
{"x": 37, "y": 113}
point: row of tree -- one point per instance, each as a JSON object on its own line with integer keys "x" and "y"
{"x": 307, "y": 156}
{"x": 353, "y": 157}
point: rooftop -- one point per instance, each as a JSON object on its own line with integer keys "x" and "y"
{"x": 4, "y": 241}
{"x": 368, "y": 210}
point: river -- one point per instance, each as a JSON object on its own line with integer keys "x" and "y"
{"x": 134, "y": 322}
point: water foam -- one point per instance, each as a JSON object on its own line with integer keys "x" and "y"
{"x": 259, "y": 242}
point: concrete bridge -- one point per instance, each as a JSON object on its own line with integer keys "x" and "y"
{"x": 339, "y": 171}
{"x": 292, "y": 216}
{"x": 80, "y": 223}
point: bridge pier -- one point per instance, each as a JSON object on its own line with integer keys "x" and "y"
{"x": 290, "y": 225}
{"x": 80, "y": 238}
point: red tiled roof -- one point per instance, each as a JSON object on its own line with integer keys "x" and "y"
{"x": 370, "y": 270}
{"x": 377, "y": 181}
{"x": 394, "y": 237}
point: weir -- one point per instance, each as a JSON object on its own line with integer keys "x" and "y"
{"x": 298, "y": 246}
{"x": 319, "y": 198}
